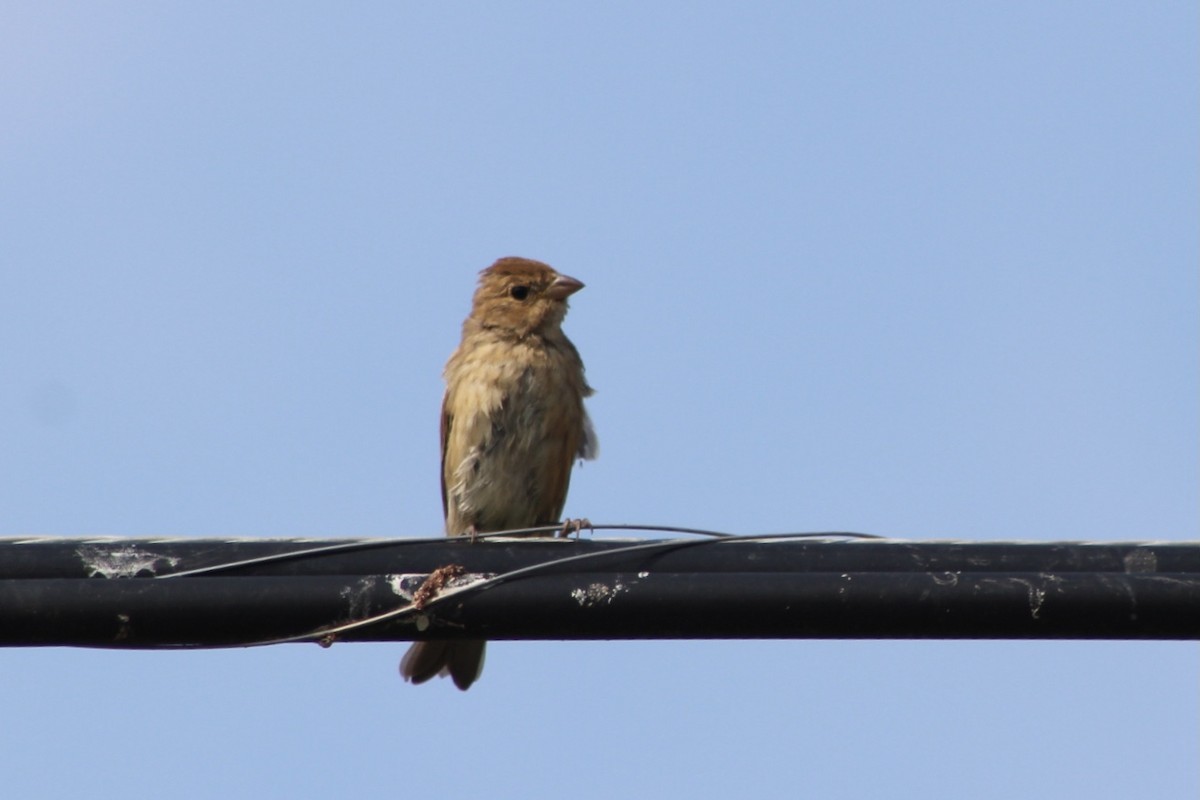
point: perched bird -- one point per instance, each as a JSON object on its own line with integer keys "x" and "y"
{"x": 513, "y": 423}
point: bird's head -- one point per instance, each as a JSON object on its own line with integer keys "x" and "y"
{"x": 522, "y": 296}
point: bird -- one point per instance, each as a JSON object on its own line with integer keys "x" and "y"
{"x": 513, "y": 424}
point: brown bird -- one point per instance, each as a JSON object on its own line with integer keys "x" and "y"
{"x": 513, "y": 423}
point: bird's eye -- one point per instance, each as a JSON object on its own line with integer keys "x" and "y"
{"x": 519, "y": 292}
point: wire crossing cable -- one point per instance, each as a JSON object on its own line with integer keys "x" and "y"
{"x": 170, "y": 593}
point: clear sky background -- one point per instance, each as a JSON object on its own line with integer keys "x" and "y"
{"x": 919, "y": 269}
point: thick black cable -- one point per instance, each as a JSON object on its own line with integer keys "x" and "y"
{"x": 116, "y": 592}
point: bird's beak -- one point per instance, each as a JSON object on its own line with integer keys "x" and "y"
{"x": 563, "y": 287}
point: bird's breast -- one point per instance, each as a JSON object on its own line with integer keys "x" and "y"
{"x": 516, "y": 425}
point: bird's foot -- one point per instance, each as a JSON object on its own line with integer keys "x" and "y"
{"x": 574, "y": 526}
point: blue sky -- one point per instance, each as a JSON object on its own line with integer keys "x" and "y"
{"x": 926, "y": 270}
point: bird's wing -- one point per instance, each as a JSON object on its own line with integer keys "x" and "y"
{"x": 447, "y": 421}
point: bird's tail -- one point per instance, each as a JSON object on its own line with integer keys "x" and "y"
{"x": 461, "y": 660}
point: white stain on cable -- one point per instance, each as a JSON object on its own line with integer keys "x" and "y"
{"x": 359, "y": 596}
{"x": 406, "y": 584}
{"x": 945, "y": 578}
{"x": 122, "y": 562}
{"x": 1141, "y": 560}
{"x": 597, "y": 593}
{"x": 1037, "y": 595}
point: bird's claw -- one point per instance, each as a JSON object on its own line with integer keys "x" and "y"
{"x": 574, "y": 526}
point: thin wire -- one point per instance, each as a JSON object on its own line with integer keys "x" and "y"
{"x": 769, "y": 537}
{"x": 487, "y": 583}
{"x": 477, "y": 586}
{"x": 357, "y": 545}
{"x": 663, "y": 529}
{"x": 341, "y": 547}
